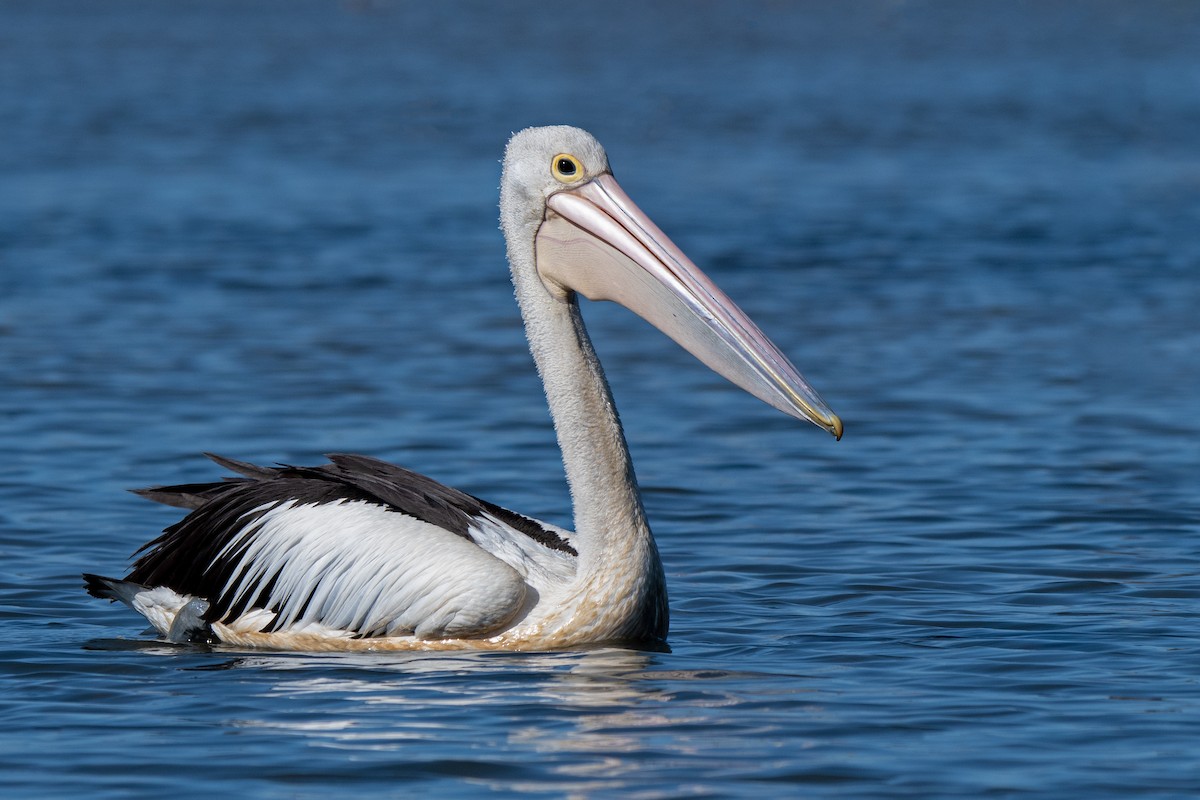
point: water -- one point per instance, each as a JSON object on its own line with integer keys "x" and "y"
{"x": 268, "y": 230}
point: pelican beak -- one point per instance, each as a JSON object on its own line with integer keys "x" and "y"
{"x": 597, "y": 242}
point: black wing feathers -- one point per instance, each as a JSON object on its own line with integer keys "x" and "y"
{"x": 191, "y": 556}
{"x": 188, "y": 556}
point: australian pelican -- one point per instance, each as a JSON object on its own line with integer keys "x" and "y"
{"x": 358, "y": 554}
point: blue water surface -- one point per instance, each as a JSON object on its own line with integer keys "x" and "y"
{"x": 268, "y": 230}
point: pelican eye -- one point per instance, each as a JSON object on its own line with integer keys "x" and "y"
{"x": 566, "y": 168}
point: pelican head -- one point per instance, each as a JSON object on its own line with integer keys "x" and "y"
{"x": 589, "y": 238}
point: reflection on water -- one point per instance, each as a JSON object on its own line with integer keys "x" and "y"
{"x": 590, "y": 714}
{"x": 585, "y": 720}
{"x": 588, "y": 685}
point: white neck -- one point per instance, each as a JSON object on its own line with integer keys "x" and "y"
{"x": 618, "y": 561}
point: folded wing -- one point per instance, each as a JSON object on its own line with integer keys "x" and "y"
{"x": 357, "y": 545}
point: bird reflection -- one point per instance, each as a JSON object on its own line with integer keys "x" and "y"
{"x": 589, "y": 718}
{"x": 583, "y": 701}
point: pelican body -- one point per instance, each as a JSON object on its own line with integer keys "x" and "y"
{"x": 358, "y": 554}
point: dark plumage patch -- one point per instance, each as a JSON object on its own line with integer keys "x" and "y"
{"x": 530, "y": 527}
{"x": 185, "y": 557}
{"x": 100, "y": 587}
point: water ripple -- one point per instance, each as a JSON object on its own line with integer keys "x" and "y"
{"x": 271, "y": 235}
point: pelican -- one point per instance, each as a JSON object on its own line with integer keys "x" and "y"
{"x": 358, "y": 554}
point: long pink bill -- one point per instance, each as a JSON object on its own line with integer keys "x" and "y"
{"x": 597, "y": 242}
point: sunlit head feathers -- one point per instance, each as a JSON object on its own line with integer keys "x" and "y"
{"x": 541, "y": 161}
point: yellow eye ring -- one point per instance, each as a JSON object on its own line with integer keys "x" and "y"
{"x": 566, "y": 168}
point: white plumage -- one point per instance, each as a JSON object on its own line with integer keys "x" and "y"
{"x": 409, "y": 577}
